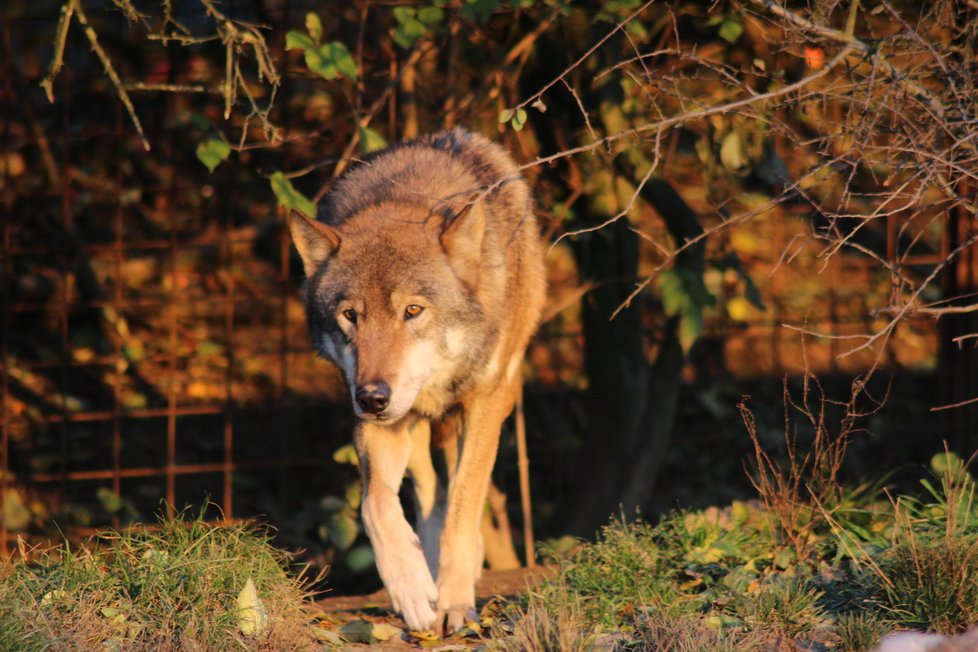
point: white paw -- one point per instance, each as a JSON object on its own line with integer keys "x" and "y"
{"x": 405, "y": 573}
{"x": 413, "y": 593}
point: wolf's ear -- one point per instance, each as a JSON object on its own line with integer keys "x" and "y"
{"x": 462, "y": 236}
{"x": 315, "y": 241}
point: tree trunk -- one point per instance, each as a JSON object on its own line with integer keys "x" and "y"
{"x": 631, "y": 404}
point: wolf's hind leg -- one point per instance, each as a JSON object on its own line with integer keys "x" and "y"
{"x": 429, "y": 493}
{"x": 384, "y": 453}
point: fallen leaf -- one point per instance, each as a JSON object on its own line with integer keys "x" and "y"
{"x": 51, "y": 597}
{"x": 385, "y": 632}
{"x": 252, "y": 619}
{"x": 327, "y": 635}
{"x": 358, "y": 631}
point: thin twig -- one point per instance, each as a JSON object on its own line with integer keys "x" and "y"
{"x": 691, "y": 115}
{"x": 110, "y": 71}
{"x": 60, "y": 38}
{"x": 584, "y": 57}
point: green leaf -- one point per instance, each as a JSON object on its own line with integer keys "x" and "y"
{"x": 519, "y": 119}
{"x": 346, "y": 454}
{"x": 730, "y": 30}
{"x": 360, "y": 558}
{"x": 479, "y": 11}
{"x": 947, "y": 463}
{"x": 133, "y": 351}
{"x": 289, "y": 197}
{"x": 690, "y": 329}
{"x": 298, "y": 40}
{"x": 317, "y": 63}
{"x": 409, "y": 32}
{"x": 314, "y": 26}
{"x": 413, "y": 23}
{"x": 340, "y": 56}
{"x": 404, "y": 13}
{"x": 212, "y": 152}
{"x": 354, "y": 493}
{"x": 331, "y": 60}
{"x": 111, "y": 502}
{"x": 207, "y": 349}
{"x": 358, "y": 631}
{"x": 430, "y": 16}
{"x": 343, "y": 529}
{"x": 684, "y": 295}
{"x": 370, "y": 140}
{"x": 506, "y": 115}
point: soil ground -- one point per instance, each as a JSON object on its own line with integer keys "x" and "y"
{"x": 376, "y": 608}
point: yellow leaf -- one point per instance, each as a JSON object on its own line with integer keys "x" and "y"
{"x": 198, "y": 389}
{"x": 53, "y": 596}
{"x": 384, "y": 632}
{"x": 739, "y": 309}
{"x": 252, "y": 619}
{"x": 15, "y": 513}
{"x": 733, "y": 153}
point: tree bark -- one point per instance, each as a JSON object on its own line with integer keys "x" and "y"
{"x": 631, "y": 404}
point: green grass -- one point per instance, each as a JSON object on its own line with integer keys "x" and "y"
{"x": 167, "y": 588}
{"x": 860, "y": 630}
{"x": 726, "y": 579}
{"x": 712, "y": 580}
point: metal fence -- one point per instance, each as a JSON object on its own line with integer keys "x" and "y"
{"x": 153, "y": 345}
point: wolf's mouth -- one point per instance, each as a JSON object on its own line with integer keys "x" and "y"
{"x": 381, "y": 419}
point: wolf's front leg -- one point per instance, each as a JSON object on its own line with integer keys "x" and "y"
{"x": 461, "y": 539}
{"x": 384, "y": 453}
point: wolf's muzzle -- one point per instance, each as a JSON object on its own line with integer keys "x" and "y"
{"x": 373, "y": 397}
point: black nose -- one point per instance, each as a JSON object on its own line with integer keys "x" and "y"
{"x": 374, "y": 397}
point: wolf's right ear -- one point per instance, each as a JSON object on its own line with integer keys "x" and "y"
{"x": 315, "y": 241}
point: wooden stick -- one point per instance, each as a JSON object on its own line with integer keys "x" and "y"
{"x": 523, "y": 463}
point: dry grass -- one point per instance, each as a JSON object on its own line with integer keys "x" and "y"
{"x": 174, "y": 588}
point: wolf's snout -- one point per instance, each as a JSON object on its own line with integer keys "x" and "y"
{"x": 374, "y": 397}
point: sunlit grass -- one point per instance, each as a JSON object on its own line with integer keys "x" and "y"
{"x": 173, "y": 587}
{"x": 724, "y": 579}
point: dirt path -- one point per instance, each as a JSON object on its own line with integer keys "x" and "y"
{"x": 348, "y": 614}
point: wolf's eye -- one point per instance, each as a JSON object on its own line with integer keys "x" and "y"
{"x": 413, "y": 311}
{"x": 351, "y": 315}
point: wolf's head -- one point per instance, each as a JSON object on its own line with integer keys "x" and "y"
{"x": 390, "y": 299}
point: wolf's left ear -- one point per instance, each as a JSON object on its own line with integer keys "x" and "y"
{"x": 462, "y": 236}
{"x": 315, "y": 241}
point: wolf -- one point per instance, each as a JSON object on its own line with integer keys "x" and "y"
{"x": 424, "y": 283}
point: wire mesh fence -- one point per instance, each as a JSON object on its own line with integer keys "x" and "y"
{"x": 153, "y": 344}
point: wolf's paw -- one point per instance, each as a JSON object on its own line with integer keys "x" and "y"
{"x": 454, "y": 618}
{"x": 413, "y": 594}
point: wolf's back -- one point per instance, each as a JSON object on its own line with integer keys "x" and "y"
{"x": 441, "y": 171}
